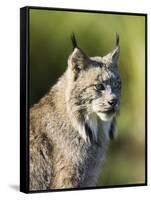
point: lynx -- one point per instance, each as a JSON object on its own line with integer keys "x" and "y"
{"x": 72, "y": 125}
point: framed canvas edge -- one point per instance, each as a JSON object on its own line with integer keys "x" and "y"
{"x": 85, "y": 10}
{"x": 24, "y": 98}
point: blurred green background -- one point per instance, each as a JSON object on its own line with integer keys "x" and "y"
{"x": 50, "y": 47}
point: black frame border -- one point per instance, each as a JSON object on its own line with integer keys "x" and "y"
{"x": 24, "y": 97}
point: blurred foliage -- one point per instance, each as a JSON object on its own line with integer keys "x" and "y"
{"x": 50, "y": 47}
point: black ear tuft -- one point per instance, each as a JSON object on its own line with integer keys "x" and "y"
{"x": 117, "y": 39}
{"x": 74, "y": 42}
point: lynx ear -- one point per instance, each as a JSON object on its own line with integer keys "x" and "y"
{"x": 78, "y": 59}
{"x": 114, "y": 54}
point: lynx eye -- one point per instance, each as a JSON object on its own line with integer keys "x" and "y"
{"x": 99, "y": 87}
{"x": 116, "y": 84}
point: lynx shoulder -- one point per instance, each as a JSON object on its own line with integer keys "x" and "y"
{"x": 71, "y": 126}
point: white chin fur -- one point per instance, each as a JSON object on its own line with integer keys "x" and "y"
{"x": 105, "y": 117}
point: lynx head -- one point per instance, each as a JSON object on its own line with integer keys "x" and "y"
{"x": 94, "y": 85}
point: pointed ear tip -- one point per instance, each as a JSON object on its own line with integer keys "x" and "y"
{"x": 75, "y": 50}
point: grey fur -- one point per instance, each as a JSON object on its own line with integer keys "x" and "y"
{"x": 70, "y": 126}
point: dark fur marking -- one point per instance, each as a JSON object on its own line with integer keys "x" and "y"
{"x": 42, "y": 154}
{"x": 89, "y": 133}
{"x": 112, "y": 129}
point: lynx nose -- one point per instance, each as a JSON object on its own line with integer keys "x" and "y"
{"x": 112, "y": 102}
